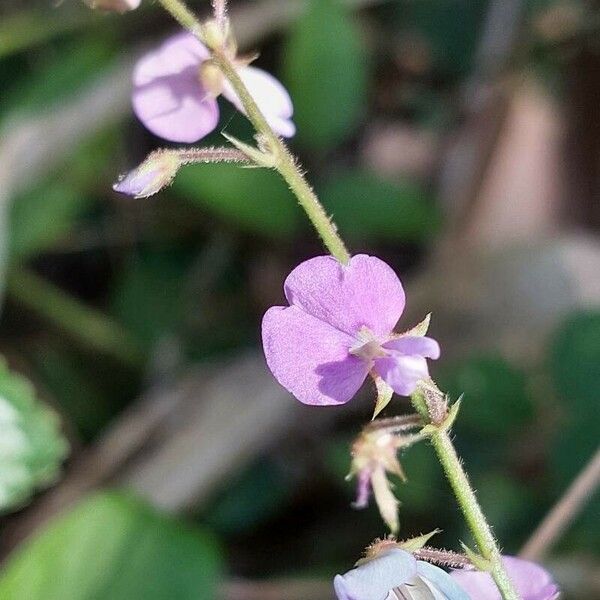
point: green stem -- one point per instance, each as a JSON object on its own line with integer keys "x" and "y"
{"x": 286, "y": 163}
{"x": 482, "y": 532}
{"x": 291, "y": 172}
{"x": 92, "y": 328}
{"x": 184, "y": 16}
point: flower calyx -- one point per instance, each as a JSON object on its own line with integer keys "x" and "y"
{"x": 374, "y": 455}
{"x": 446, "y": 424}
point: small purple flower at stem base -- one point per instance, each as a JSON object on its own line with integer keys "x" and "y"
{"x": 339, "y": 328}
{"x": 176, "y": 88}
{"x": 396, "y": 574}
{"x": 531, "y": 581}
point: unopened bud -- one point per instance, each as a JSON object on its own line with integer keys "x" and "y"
{"x": 155, "y": 173}
{"x": 212, "y": 78}
{"x": 120, "y": 6}
{"x": 215, "y": 33}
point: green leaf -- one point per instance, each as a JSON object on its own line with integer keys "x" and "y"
{"x": 495, "y": 395}
{"x": 86, "y": 395}
{"x": 31, "y": 446}
{"x": 113, "y": 547}
{"x": 60, "y": 73}
{"x": 368, "y": 208}
{"x": 42, "y": 216}
{"x": 148, "y": 297}
{"x": 450, "y": 27}
{"x": 257, "y": 495}
{"x": 28, "y": 28}
{"x": 256, "y": 199}
{"x": 326, "y": 73}
{"x": 574, "y": 366}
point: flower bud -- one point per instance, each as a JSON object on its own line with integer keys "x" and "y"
{"x": 155, "y": 173}
{"x": 212, "y": 78}
{"x": 214, "y": 35}
{"x": 120, "y": 6}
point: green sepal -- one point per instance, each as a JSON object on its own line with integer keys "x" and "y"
{"x": 384, "y": 396}
{"x": 257, "y": 155}
{"x": 481, "y": 563}
{"x": 416, "y": 543}
{"x": 420, "y": 329}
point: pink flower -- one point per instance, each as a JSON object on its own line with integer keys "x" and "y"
{"x": 176, "y": 86}
{"x": 339, "y": 328}
{"x": 532, "y": 581}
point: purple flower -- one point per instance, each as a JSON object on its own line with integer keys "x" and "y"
{"x": 532, "y": 581}
{"x": 339, "y": 328}
{"x": 395, "y": 574}
{"x": 176, "y": 86}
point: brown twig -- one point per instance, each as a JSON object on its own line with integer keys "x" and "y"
{"x": 564, "y": 511}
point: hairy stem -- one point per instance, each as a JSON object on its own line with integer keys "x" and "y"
{"x": 286, "y": 164}
{"x": 292, "y": 173}
{"x": 184, "y": 16}
{"x": 482, "y": 532}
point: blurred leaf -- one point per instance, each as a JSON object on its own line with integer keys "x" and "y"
{"x": 147, "y": 299}
{"x": 78, "y": 387}
{"x": 507, "y": 504}
{"x": 450, "y": 27}
{"x": 425, "y": 488}
{"x": 43, "y": 216}
{"x": 45, "y": 213}
{"x": 31, "y": 446}
{"x": 59, "y": 73}
{"x": 326, "y": 74}
{"x": 575, "y": 369}
{"x": 575, "y": 362}
{"x": 28, "y": 28}
{"x": 255, "y": 199}
{"x": 249, "y": 501}
{"x": 113, "y": 547}
{"x": 368, "y": 208}
{"x": 495, "y": 395}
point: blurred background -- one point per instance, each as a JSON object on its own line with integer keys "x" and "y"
{"x": 457, "y": 139}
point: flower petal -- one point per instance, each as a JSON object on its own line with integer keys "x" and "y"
{"x": 270, "y": 95}
{"x": 414, "y": 345}
{"x": 531, "y": 580}
{"x": 364, "y": 293}
{"x": 374, "y": 579}
{"x": 310, "y": 358}
{"x": 168, "y": 96}
{"x": 441, "y": 581}
{"x": 401, "y": 372}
